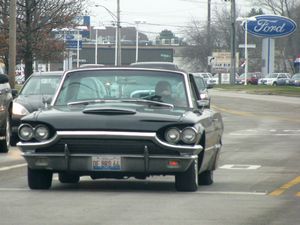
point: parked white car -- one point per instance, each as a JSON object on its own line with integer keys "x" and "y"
{"x": 208, "y": 78}
{"x": 275, "y": 79}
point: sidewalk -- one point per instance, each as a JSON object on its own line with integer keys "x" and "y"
{"x": 269, "y": 98}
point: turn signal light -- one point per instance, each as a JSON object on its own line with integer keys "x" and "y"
{"x": 173, "y": 163}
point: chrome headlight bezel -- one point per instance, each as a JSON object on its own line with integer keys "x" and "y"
{"x": 30, "y": 132}
{"x": 175, "y": 132}
{"x": 39, "y": 130}
{"x": 189, "y": 135}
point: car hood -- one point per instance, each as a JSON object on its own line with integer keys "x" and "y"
{"x": 127, "y": 117}
{"x": 31, "y": 102}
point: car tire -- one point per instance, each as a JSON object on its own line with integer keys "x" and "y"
{"x": 188, "y": 180}
{"x": 5, "y": 143}
{"x": 39, "y": 179}
{"x": 206, "y": 178}
{"x": 67, "y": 178}
{"x": 274, "y": 84}
{"x": 14, "y": 139}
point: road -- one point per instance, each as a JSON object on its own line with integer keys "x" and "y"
{"x": 257, "y": 182}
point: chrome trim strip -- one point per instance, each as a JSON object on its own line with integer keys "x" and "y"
{"x": 123, "y": 156}
{"x": 108, "y": 134}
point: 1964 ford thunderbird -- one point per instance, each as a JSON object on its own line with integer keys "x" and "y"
{"x": 120, "y": 123}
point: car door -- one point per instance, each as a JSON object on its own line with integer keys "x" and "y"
{"x": 2, "y": 106}
{"x": 206, "y": 117}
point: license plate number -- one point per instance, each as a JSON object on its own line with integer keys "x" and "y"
{"x": 106, "y": 163}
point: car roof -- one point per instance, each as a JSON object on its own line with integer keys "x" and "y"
{"x": 159, "y": 65}
{"x": 48, "y": 73}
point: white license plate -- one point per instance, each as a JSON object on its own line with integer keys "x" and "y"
{"x": 106, "y": 163}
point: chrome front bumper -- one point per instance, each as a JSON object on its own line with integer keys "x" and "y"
{"x": 130, "y": 163}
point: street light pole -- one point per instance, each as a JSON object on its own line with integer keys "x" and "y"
{"x": 233, "y": 43}
{"x": 246, "y": 50}
{"x": 119, "y": 58}
{"x": 12, "y": 43}
{"x": 116, "y": 21}
{"x": 96, "y": 47}
{"x": 78, "y": 33}
{"x": 137, "y": 41}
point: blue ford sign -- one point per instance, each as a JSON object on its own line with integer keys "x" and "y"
{"x": 271, "y": 26}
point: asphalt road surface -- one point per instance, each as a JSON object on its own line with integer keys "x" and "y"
{"x": 257, "y": 182}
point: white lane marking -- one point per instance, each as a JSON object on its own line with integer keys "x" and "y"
{"x": 12, "y": 167}
{"x": 231, "y": 192}
{"x": 240, "y": 167}
{"x": 271, "y": 132}
{"x": 14, "y": 189}
{"x": 198, "y": 192}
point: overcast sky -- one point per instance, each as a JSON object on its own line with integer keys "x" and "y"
{"x": 158, "y": 14}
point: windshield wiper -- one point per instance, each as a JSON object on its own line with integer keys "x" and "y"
{"x": 144, "y": 101}
{"x": 87, "y": 102}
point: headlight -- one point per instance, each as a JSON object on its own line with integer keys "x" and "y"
{"x": 19, "y": 109}
{"x": 172, "y": 135}
{"x": 25, "y": 132}
{"x": 41, "y": 132}
{"x": 189, "y": 135}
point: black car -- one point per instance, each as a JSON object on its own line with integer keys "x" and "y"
{"x": 6, "y": 98}
{"x": 35, "y": 93}
{"x": 103, "y": 124}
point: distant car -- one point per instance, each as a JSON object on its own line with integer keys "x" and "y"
{"x": 295, "y": 80}
{"x": 208, "y": 78}
{"x": 157, "y": 65}
{"x": 35, "y": 93}
{"x": 6, "y": 98}
{"x": 225, "y": 78}
{"x": 275, "y": 79}
{"x": 91, "y": 65}
{"x": 251, "y": 79}
{"x": 202, "y": 87}
{"x": 115, "y": 133}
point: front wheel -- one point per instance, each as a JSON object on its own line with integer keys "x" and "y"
{"x": 188, "y": 180}
{"x": 39, "y": 179}
{"x": 5, "y": 143}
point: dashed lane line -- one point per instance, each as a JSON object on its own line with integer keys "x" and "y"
{"x": 12, "y": 167}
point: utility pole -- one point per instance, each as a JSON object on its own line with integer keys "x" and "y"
{"x": 119, "y": 58}
{"x": 233, "y": 42}
{"x": 209, "y": 50}
{"x": 12, "y": 43}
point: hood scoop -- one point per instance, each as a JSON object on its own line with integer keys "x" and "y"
{"x": 109, "y": 111}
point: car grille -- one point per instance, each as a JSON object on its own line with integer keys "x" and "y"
{"x": 94, "y": 146}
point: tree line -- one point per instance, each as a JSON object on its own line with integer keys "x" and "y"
{"x": 35, "y": 21}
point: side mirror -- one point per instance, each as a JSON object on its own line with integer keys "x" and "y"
{"x": 203, "y": 103}
{"x": 14, "y": 93}
{"x": 3, "y": 79}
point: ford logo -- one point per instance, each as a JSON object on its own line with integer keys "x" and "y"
{"x": 271, "y": 26}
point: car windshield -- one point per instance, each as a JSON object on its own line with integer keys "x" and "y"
{"x": 272, "y": 75}
{"x": 96, "y": 86}
{"x": 296, "y": 76}
{"x": 41, "y": 85}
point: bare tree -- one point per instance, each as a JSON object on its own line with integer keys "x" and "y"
{"x": 278, "y": 7}
{"x": 36, "y": 20}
